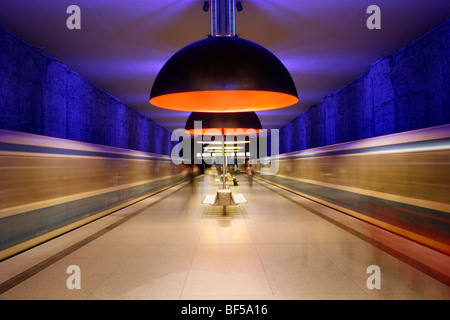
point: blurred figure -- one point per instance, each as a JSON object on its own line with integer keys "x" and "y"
{"x": 189, "y": 173}
{"x": 195, "y": 171}
{"x": 250, "y": 174}
{"x": 185, "y": 172}
{"x": 209, "y": 173}
{"x": 233, "y": 175}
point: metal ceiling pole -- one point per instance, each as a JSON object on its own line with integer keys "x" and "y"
{"x": 224, "y": 166}
{"x": 223, "y": 18}
{"x": 223, "y": 24}
{"x": 224, "y": 170}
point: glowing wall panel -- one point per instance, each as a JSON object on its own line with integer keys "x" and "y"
{"x": 404, "y": 91}
{"x": 40, "y": 95}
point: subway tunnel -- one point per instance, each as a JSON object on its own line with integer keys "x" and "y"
{"x": 343, "y": 195}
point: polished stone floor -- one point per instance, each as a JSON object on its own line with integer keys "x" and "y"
{"x": 177, "y": 248}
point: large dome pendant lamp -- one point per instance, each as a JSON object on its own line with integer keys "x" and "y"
{"x": 223, "y": 73}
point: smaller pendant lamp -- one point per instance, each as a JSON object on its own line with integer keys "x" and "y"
{"x": 213, "y": 123}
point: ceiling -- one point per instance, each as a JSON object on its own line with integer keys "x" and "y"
{"x": 122, "y": 45}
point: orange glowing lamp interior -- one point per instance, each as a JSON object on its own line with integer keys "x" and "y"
{"x": 224, "y": 101}
{"x": 227, "y": 131}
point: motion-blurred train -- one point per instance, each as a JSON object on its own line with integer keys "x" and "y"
{"x": 399, "y": 182}
{"x": 49, "y": 186}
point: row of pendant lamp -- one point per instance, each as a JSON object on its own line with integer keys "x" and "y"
{"x": 223, "y": 80}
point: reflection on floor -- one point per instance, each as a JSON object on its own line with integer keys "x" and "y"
{"x": 177, "y": 248}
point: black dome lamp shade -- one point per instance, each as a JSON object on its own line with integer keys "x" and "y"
{"x": 213, "y": 123}
{"x": 223, "y": 74}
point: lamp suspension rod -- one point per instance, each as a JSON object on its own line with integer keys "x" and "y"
{"x": 223, "y": 18}
{"x": 224, "y": 166}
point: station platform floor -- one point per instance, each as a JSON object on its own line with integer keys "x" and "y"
{"x": 170, "y": 246}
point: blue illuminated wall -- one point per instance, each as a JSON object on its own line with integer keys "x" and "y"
{"x": 42, "y": 96}
{"x": 407, "y": 90}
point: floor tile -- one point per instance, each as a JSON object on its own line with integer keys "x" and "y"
{"x": 177, "y": 248}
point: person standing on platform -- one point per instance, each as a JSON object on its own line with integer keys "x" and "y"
{"x": 195, "y": 171}
{"x": 250, "y": 172}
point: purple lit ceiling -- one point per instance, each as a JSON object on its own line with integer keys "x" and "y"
{"x": 122, "y": 45}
